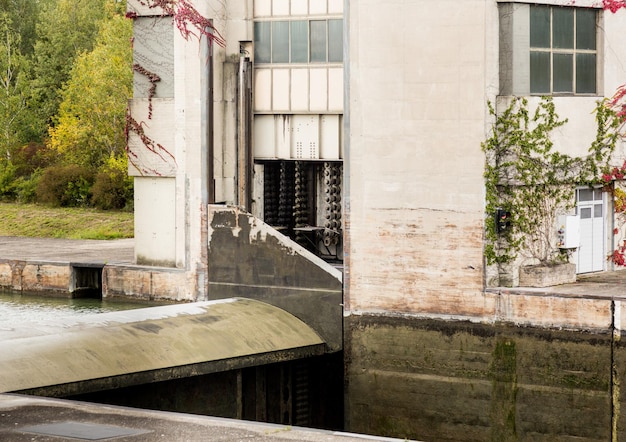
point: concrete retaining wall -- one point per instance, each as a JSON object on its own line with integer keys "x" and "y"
{"x": 150, "y": 283}
{"x": 437, "y": 380}
{"x": 32, "y": 276}
{"x": 248, "y": 258}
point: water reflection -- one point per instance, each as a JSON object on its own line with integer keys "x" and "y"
{"x": 17, "y": 308}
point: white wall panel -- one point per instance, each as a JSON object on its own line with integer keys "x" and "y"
{"x": 330, "y": 137}
{"x": 299, "y": 7}
{"x": 264, "y": 139}
{"x": 280, "y": 90}
{"x": 299, "y": 90}
{"x": 155, "y": 220}
{"x": 317, "y": 7}
{"x": 335, "y": 89}
{"x": 335, "y": 6}
{"x": 318, "y": 92}
{"x": 306, "y": 137}
{"x": 280, "y": 7}
{"x": 262, "y": 8}
{"x": 263, "y": 90}
{"x": 301, "y": 136}
{"x": 282, "y": 134}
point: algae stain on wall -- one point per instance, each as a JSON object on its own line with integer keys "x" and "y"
{"x": 446, "y": 380}
{"x": 503, "y": 398}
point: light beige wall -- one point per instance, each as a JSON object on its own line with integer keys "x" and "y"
{"x": 417, "y": 116}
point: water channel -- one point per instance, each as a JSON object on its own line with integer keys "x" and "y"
{"x": 20, "y": 309}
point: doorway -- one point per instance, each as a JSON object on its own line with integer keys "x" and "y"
{"x": 591, "y": 209}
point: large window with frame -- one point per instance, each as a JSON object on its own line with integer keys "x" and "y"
{"x": 298, "y": 41}
{"x": 563, "y": 50}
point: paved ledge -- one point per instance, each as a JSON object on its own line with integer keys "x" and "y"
{"x": 601, "y": 285}
{"x": 118, "y": 251}
{"x": 26, "y": 418}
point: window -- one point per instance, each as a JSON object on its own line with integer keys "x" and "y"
{"x": 298, "y": 41}
{"x": 563, "y": 52}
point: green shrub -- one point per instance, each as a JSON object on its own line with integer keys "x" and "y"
{"x": 31, "y": 157}
{"x": 26, "y": 187}
{"x": 7, "y": 181}
{"x": 65, "y": 186}
{"x": 113, "y": 188}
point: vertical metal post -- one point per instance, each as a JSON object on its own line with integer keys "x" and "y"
{"x": 207, "y": 178}
{"x": 245, "y": 160}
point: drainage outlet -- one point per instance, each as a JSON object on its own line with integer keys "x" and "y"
{"x": 86, "y": 281}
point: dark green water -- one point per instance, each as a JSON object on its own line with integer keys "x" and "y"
{"x": 16, "y": 308}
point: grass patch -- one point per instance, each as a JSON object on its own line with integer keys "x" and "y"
{"x": 50, "y": 222}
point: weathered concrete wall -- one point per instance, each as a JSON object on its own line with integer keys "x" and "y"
{"x": 150, "y": 283}
{"x": 45, "y": 277}
{"x": 436, "y": 380}
{"x": 248, "y": 258}
{"x": 417, "y": 115}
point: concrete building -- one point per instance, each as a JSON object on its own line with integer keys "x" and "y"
{"x": 355, "y": 129}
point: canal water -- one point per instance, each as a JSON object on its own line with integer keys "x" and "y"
{"x": 19, "y": 309}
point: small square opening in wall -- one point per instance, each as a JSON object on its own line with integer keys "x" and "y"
{"x": 82, "y": 431}
{"x": 86, "y": 281}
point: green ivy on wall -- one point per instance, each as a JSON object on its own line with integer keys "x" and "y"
{"x": 529, "y": 183}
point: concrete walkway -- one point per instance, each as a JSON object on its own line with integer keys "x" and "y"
{"x": 27, "y": 418}
{"x": 119, "y": 251}
{"x": 600, "y": 285}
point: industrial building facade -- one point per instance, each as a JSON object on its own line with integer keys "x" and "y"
{"x": 355, "y": 129}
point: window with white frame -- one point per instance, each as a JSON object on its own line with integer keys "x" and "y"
{"x": 298, "y": 41}
{"x": 549, "y": 50}
{"x": 563, "y": 53}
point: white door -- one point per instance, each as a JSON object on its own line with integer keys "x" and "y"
{"x": 590, "y": 209}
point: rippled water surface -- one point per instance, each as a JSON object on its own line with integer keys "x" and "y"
{"x": 24, "y": 308}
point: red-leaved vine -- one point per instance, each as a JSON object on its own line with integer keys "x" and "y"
{"x": 133, "y": 126}
{"x": 188, "y": 20}
{"x": 614, "y": 5}
{"x": 189, "y": 23}
{"x": 617, "y": 103}
{"x": 153, "y": 79}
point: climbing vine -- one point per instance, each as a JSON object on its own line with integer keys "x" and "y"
{"x": 190, "y": 23}
{"x": 529, "y": 183}
{"x": 614, "y": 120}
{"x": 187, "y": 19}
{"x": 614, "y": 5}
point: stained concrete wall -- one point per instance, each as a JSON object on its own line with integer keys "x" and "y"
{"x": 416, "y": 114}
{"x": 33, "y": 276}
{"x": 449, "y": 381}
{"x": 248, "y": 258}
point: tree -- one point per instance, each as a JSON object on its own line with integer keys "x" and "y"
{"x": 92, "y": 115}
{"x": 66, "y": 29}
{"x": 24, "y": 15}
{"x": 13, "y": 87}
